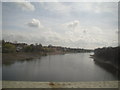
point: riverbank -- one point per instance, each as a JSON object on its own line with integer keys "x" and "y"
{"x": 29, "y": 84}
{"x": 107, "y": 65}
{"x": 8, "y": 58}
{"x": 106, "y": 62}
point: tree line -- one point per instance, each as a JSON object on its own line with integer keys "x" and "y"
{"x": 9, "y": 47}
{"x": 110, "y": 54}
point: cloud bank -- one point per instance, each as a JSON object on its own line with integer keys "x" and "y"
{"x": 84, "y": 25}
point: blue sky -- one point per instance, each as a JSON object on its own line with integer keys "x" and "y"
{"x": 70, "y": 24}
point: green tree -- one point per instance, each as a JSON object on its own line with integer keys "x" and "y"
{"x": 28, "y": 49}
{"x": 8, "y": 48}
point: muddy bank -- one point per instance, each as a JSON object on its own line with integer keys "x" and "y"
{"x": 9, "y": 58}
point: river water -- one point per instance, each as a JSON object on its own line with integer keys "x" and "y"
{"x": 67, "y": 67}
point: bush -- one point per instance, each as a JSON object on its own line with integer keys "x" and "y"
{"x": 8, "y": 48}
{"x": 28, "y": 49}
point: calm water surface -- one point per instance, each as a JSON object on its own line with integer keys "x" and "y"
{"x": 68, "y": 67}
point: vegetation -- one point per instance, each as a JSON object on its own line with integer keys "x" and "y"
{"x": 9, "y": 47}
{"x": 12, "y": 52}
{"x": 109, "y": 55}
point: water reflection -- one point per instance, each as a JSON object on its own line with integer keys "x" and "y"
{"x": 108, "y": 68}
{"x": 68, "y": 67}
{"x": 8, "y": 63}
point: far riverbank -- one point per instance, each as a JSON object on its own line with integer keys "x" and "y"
{"x": 8, "y": 58}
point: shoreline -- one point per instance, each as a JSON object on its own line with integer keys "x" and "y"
{"x": 21, "y": 56}
{"x": 105, "y": 64}
{"x": 9, "y": 58}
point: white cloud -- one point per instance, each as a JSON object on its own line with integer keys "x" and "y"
{"x": 72, "y": 24}
{"x": 24, "y": 5}
{"x": 93, "y": 38}
{"x": 38, "y": 36}
{"x": 79, "y": 36}
{"x": 90, "y": 36}
{"x": 35, "y": 23}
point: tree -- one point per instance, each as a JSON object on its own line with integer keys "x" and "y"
{"x": 28, "y": 49}
{"x": 8, "y": 48}
{"x": 49, "y": 46}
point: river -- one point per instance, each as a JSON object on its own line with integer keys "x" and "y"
{"x": 67, "y": 67}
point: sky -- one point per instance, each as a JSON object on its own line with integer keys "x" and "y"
{"x": 69, "y": 24}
